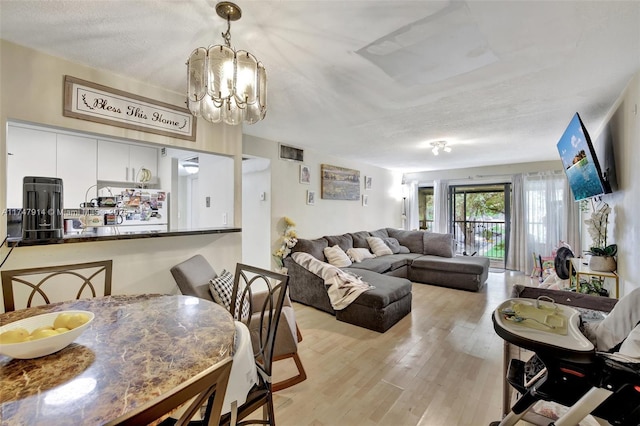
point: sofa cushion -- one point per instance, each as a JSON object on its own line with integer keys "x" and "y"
{"x": 336, "y": 256}
{"x": 462, "y": 264}
{"x": 393, "y": 244}
{"x": 404, "y": 250}
{"x": 380, "y": 233}
{"x": 360, "y": 239}
{"x": 359, "y": 254}
{"x": 413, "y": 240}
{"x": 378, "y": 247}
{"x": 438, "y": 244}
{"x": 376, "y": 264}
{"x": 344, "y": 241}
{"x": 387, "y": 289}
{"x": 314, "y": 247}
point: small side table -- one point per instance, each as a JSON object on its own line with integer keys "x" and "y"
{"x": 578, "y": 265}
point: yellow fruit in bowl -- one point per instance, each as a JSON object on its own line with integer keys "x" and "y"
{"x": 42, "y": 333}
{"x": 62, "y": 330}
{"x": 62, "y": 320}
{"x": 77, "y": 320}
{"x": 44, "y": 327}
{"x": 16, "y": 335}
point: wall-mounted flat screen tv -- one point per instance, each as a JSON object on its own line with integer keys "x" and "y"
{"x": 580, "y": 161}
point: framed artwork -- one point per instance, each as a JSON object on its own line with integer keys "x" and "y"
{"x": 367, "y": 182}
{"x": 339, "y": 183}
{"x": 365, "y": 200}
{"x": 311, "y": 198}
{"x": 291, "y": 153}
{"x": 305, "y": 174}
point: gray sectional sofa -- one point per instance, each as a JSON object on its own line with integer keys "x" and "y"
{"x": 418, "y": 256}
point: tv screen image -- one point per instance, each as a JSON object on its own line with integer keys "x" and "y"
{"x": 579, "y": 160}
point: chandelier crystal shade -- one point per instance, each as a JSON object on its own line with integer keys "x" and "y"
{"x": 440, "y": 145}
{"x": 225, "y": 85}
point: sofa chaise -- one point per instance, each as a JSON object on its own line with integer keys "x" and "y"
{"x": 417, "y": 256}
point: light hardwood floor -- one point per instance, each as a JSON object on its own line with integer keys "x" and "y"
{"x": 439, "y": 366}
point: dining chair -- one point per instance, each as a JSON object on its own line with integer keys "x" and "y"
{"x": 210, "y": 385}
{"x": 37, "y": 286}
{"x": 192, "y": 277}
{"x": 262, "y": 321}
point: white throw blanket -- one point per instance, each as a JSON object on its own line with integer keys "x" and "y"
{"x": 342, "y": 287}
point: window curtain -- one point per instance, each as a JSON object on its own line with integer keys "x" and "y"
{"x": 441, "y": 206}
{"x": 543, "y": 216}
{"x": 517, "y": 255}
{"x": 410, "y": 191}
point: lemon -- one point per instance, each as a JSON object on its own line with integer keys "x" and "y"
{"x": 45, "y": 327}
{"x": 16, "y": 335}
{"x": 62, "y": 330}
{"x": 62, "y": 320}
{"x": 42, "y": 333}
{"x": 77, "y": 320}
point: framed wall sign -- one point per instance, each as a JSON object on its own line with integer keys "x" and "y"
{"x": 94, "y": 102}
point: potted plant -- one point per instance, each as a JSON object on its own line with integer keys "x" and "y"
{"x": 602, "y": 255}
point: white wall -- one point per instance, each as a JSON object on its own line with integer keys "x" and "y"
{"x": 256, "y": 212}
{"x": 624, "y": 221}
{"x": 326, "y": 217}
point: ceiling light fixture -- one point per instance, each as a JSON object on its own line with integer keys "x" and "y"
{"x": 225, "y": 85}
{"x": 440, "y": 145}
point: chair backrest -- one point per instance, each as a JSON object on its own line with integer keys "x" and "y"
{"x": 193, "y": 275}
{"x": 37, "y": 286}
{"x": 249, "y": 279}
{"x": 210, "y": 385}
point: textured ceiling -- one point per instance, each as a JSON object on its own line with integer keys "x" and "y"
{"x": 370, "y": 80}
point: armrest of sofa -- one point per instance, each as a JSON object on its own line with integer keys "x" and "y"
{"x": 306, "y": 287}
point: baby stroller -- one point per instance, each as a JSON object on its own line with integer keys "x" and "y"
{"x": 590, "y": 368}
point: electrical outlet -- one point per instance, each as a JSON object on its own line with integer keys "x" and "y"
{"x": 224, "y": 218}
{"x": 263, "y": 196}
{"x": 208, "y": 201}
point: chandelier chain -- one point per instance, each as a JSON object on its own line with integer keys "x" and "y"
{"x": 227, "y": 35}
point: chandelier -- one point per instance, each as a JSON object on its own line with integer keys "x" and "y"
{"x": 440, "y": 145}
{"x": 224, "y": 84}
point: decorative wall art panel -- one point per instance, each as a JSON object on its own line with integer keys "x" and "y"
{"x": 339, "y": 183}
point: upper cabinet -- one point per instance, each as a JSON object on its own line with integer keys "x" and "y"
{"x": 76, "y": 165}
{"x": 121, "y": 162}
{"x": 34, "y": 152}
{"x": 29, "y": 153}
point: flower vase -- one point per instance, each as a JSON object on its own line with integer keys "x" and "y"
{"x": 282, "y": 270}
{"x": 602, "y": 263}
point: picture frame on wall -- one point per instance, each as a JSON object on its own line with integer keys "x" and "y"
{"x": 305, "y": 174}
{"x": 339, "y": 183}
{"x": 367, "y": 182}
{"x": 311, "y": 198}
{"x": 365, "y": 200}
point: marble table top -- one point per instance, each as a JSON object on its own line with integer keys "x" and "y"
{"x": 136, "y": 348}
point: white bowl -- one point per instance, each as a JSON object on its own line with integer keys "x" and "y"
{"x": 47, "y": 345}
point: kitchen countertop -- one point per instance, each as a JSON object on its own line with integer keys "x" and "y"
{"x": 123, "y": 235}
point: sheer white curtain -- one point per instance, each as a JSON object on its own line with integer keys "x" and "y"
{"x": 543, "y": 214}
{"x": 440, "y": 206}
{"x": 410, "y": 191}
{"x": 517, "y": 255}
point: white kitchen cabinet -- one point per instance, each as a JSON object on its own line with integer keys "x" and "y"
{"x": 143, "y": 156}
{"x": 29, "y": 153}
{"x": 122, "y": 162}
{"x": 76, "y": 165}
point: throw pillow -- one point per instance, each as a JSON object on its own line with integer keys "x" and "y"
{"x": 378, "y": 247}
{"x": 438, "y": 244}
{"x": 221, "y": 288}
{"x": 393, "y": 244}
{"x": 336, "y": 256}
{"x": 359, "y": 254}
{"x": 404, "y": 250}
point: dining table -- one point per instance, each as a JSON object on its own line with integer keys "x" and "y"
{"x": 137, "y": 348}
